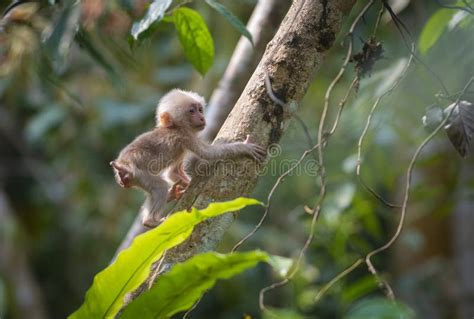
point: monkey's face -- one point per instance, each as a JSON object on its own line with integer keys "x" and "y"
{"x": 196, "y": 116}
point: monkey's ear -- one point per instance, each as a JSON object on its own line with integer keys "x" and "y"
{"x": 165, "y": 120}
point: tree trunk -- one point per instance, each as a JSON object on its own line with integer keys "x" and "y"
{"x": 290, "y": 61}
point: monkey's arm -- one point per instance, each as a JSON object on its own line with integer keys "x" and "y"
{"x": 227, "y": 151}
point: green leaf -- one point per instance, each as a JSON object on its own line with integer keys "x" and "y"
{"x": 379, "y": 308}
{"x": 178, "y": 289}
{"x": 434, "y": 28}
{"x": 281, "y": 265}
{"x": 231, "y": 18}
{"x": 195, "y": 38}
{"x": 155, "y": 13}
{"x": 359, "y": 288}
{"x": 105, "y": 298}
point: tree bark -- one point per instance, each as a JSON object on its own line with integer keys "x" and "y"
{"x": 263, "y": 24}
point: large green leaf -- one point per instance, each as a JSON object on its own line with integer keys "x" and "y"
{"x": 155, "y": 13}
{"x": 229, "y": 16}
{"x": 434, "y": 28}
{"x": 178, "y": 289}
{"x": 105, "y": 298}
{"x": 195, "y": 38}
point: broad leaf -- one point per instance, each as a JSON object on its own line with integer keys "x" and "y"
{"x": 380, "y": 308}
{"x": 281, "y": 265}
{"x": 229, "y": 16}
{"x": 433, "y": 117}
{"x": 155, "y": 13}
{"x": 195, "y": 38}
{"x": 105, "y": 298}
{"x": 460, "y": 126}
{"x": 178, "y": 289}
{"x": 434, "y": 28}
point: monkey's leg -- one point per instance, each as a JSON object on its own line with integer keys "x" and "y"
{"x": 157, "y": 192}
{"x": 182, "y": 174}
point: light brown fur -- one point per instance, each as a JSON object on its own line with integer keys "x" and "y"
{"x": 158, "y": 154}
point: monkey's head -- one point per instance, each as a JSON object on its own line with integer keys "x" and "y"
{"x": 180, "y": 108}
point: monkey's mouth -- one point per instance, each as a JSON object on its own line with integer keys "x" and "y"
{"x": 201, "y": 127}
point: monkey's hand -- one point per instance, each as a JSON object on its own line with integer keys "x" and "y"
{"x": 258, "y": 152}
{"x": 122, "y": 175}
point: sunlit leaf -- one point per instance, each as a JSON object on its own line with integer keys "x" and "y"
{"x": 460, "y": 126}
{"x": 379, "y": 308}
{"x": 155, "y": 13}
{"x": 105, "y": 298}
{"x": 281, "y": 265}
{"x": 178, "y": 289}
{"x": 195, "y": 38}
{"x": 233, "y": 20}
{"x": 457, "y": 19}
{"x": 434, "y": 28}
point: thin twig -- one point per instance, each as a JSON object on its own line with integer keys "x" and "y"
{"x": 280, "y": 179}
{"x": 341, "y": 275}
{"x": 401, "y": 28}
{"x": 188, "y": 313}
{"x": 157, "y": 270}
{"x": 322, "y": 141}
{"x": 270, "y": 196}
{"x": 366, "y": 128}
{"x": 406, "y": 197}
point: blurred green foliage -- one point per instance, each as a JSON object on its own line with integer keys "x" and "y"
{"x": 75, "y": 88}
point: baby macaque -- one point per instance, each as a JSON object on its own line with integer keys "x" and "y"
{"x": 157, "y": 155}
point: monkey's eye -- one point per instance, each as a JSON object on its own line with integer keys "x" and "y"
{"x": 200, "y": 109}
{"x": 191, "y": 110}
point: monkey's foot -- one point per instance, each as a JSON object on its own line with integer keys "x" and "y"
{"x": 122, "y": 176}
{"x": 177, "y": 190}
